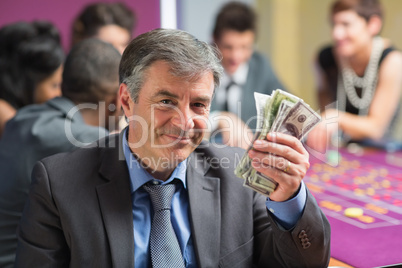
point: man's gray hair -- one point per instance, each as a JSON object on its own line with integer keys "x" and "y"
{"x": 187, "y": 57}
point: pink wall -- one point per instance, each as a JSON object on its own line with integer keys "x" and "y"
{"x": 62, "y": 13}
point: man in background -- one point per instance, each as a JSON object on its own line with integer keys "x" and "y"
{"x": 110, "y": 22}
{"x": 246, "y": 70}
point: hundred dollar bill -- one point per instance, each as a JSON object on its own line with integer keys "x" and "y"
{"x": 271, "y": 108}
{"x": 260, "y": 184}
{"x": 283, "y": 112}
{"x": 244, "y": 167}
{"x": 260, "y": 102}
{"x": 299, "y": 120}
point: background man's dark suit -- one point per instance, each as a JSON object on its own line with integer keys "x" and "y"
{"x": 82, "y": 200}
{"x": 260, "y": 78}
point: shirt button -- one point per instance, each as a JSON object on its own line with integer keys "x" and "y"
{"x": 272, "y": 210}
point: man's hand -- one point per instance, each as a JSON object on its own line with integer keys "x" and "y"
{"x": 282, "y": 158}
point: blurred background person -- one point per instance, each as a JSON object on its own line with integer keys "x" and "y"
{"x": 110, "y": 22}
{"x": 246, "y": 70}
{"x": 31, "y": 64}
{"x": 84, "y": 113}
{"x": 362, "y": 71}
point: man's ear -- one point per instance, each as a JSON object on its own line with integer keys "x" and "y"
{"x": 125, "y": 99}
{"x": 375, "y": 25}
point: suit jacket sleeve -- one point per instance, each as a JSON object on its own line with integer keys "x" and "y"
{"x": 250, "y": 236}
{"x": 305, "y": 245}
{"x": 40, "y": 216}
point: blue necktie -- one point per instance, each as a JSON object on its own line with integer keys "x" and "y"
{"x": 164, "y": 246}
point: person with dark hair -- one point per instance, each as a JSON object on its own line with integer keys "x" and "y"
{"x": 40, "y": 63}
{"x": 246, "y": 70}
{"x": 31, "y": 59}
{"x": 110, "y": 22}
{"x": 157, "y": 195}
{"x": 361, "y": 72}
{"x": 88, "y": 106}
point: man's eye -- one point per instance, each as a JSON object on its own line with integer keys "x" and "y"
{"x": 199, "y": 105}
{"x": 166, "y": 102}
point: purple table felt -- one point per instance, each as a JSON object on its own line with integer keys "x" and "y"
{"x": 373, "y": 182}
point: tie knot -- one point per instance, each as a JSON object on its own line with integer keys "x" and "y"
{"x": 231, "y": 83}
{"x": 161, "y": 195}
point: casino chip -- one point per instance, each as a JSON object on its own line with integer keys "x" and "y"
{"x": 353, "y": 212}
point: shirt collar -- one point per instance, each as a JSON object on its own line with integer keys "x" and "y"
{"x": 139, "y": 176}
{"x": 239, "y": 76}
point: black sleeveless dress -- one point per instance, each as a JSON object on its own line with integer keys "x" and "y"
{"x": 391, "y": 140}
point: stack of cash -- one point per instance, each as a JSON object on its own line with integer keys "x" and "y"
{"x": 279, "y": 112}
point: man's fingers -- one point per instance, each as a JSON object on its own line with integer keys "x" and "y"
{"x": 270, "y": 160}
{"x": 287, "y": 140}
{"x": 263, "y": 148}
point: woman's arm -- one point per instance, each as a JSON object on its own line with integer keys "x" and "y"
{"x": 384, "y": 103}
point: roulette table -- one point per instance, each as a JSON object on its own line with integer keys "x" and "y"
{"x": 372, "y": 181}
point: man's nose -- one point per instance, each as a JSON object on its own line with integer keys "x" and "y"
{"x": 236, "y": 55}
{"x": 184, "y": 119}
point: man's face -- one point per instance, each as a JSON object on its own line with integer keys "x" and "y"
{"x": 236, "y": 48}
{"x": 115, "y": 35}
{"x": 169, "y": 119}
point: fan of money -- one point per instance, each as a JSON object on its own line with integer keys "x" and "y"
{"x": 279, "y": 112}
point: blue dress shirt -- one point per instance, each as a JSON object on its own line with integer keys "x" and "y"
{"x": 142, "y": 210}
{"x": 286, "y": 213}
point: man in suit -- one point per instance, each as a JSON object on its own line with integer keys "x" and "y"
{"x": 98, "y": 207}
{"x": 246, "y": 70}
{"x": 80, "y": 117}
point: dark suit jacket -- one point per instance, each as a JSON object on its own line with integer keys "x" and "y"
{"x": 37, "y": 131}
{"x": 79, "y": 214}
{"x": 260, "y": 78}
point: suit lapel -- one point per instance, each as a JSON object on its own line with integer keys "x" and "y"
{"x": 115, "y": 203}
{"x": 204, "y": 197}
{"x": 248, "y": 92}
